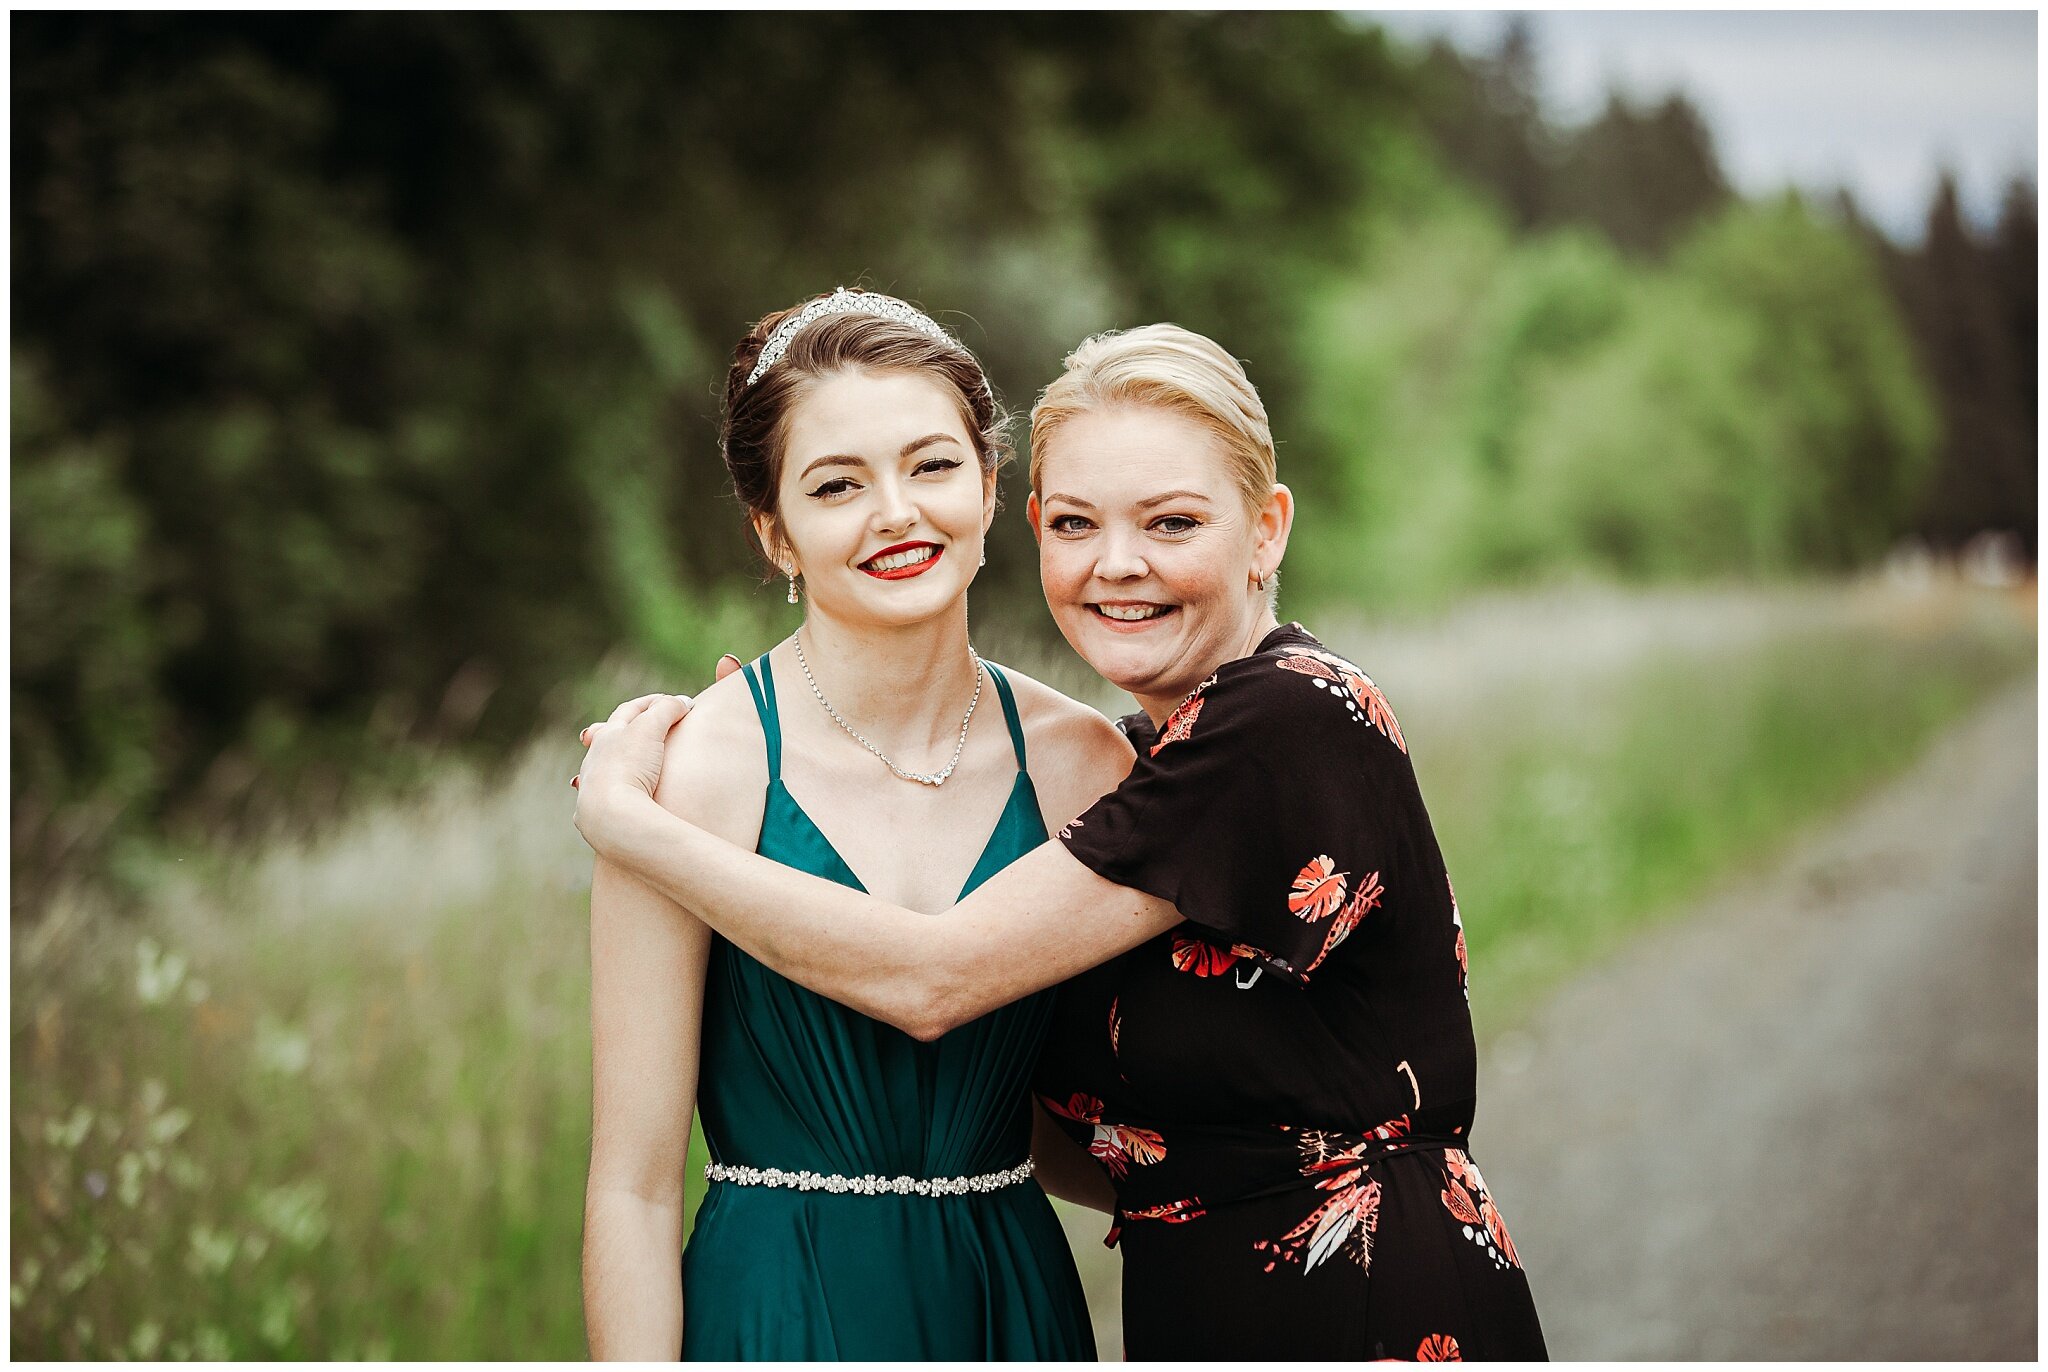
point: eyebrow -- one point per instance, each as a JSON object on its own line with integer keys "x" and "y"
{"x": 1147, "y": 503}
{"x": 850, "y": 460}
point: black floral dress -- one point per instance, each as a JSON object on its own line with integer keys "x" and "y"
{"x": 1281, "y": 1088}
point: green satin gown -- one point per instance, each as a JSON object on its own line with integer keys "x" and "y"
{"x": 792, "y": 1080}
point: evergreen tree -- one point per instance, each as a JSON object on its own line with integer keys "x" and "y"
{"x": 2016, "y": 274}
{"x": 1485, "y": 116}
{"x": 1641, "y": 176}
{"x": 1970, "y": 304}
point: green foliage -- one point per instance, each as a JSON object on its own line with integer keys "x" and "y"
{"x": 1646, "y": 175}
{"x": 332, "y": 1104}
{"x": 1543, "y": 406}
{"x": 1855, "y": 424}
{"x": 367, "y": 364}
{"x": 380, "y": 352}
{"x": 80, "y": 633}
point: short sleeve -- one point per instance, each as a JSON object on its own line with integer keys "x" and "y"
{"x": 1267, "y": 809}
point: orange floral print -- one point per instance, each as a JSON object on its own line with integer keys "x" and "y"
{"x": 1172, "y": 1212}
{"x": 1179, "y": 724}
{"x": 1116, "y": 1146}
{"x": 1438, "y": 1348}
{"x": 1460, "y": 1204}
{"x": 1361, "y": 697}
{"x": 1365, "y": 897}
{"x": 1466, "y": 1197}
{"x": 1205, "y": 959}
{"x": 1200, "y": 957}
{"x": 1318, "y": 890}
{"x": 1345, "y": 1223}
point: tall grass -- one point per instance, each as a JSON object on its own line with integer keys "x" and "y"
{"x": 1570, "y": 815}
{"x": 332, "y": 1099}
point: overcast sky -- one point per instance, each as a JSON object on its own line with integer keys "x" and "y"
{"x": 1876, "y": 100}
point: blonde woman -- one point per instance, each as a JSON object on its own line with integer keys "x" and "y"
{"x": 1265, "y": 1043}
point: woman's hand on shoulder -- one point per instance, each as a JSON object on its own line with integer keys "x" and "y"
{"x": 693, "y": 755}
{"x": 623, "y": 765}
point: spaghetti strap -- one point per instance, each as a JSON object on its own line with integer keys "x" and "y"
{"x": 764, "y": 705}
{"x": 1009, "y": 713}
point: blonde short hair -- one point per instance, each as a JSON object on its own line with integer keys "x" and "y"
{"x": 1170, "y": 368}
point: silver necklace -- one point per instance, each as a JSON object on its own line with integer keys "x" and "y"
{"x": 926, "y": 778}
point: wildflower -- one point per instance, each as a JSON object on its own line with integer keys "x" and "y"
{"x": 69, "y": 1133}
{"x": 158, "y": 974}
{"x": 85, "y": 1269}
{"x": 169, "y": 1125}
{"x": 275, "y": 1323}
{"x": 281, "y": 1048}
{"x": 211, "y": 1251}
{"x": 143, "y": 1343}
{"x": 294, "y": 1213}
{"x": 129, "y": 1187}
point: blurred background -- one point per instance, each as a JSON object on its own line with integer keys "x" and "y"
{"x": 1667, "y": 454}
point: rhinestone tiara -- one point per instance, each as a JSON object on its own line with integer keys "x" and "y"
{"x": 842, "y": 301}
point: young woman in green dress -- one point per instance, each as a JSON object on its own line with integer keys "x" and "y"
{"x": 872, "y": 1194}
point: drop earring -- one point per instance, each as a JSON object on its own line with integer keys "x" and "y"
{"x": 792, "y": 588}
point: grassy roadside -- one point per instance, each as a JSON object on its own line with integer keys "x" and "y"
{"x": 335, "y": 1104}
{"x": 1571, "y": 816}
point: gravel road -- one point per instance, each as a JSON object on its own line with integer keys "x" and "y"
{"x": 1799, "y": 1122}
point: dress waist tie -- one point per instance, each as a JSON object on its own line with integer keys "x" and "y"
{"x": 1324, "y": 1159}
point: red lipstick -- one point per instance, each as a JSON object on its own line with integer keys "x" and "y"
{"x": 904, "y": 573}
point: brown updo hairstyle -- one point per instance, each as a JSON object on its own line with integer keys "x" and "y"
{"x": 754, "y": 425}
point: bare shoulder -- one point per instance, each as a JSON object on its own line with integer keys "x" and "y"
{"x": 715, "y": 771}
{"x": 1076, "y": 753}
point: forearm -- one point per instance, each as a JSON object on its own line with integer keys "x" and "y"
{"x": 1064, "y": 1169}
{"x": 877, "y": 958}
{"x": 632, "y": 1275}
{"x": 647, "y": 966}
{"x": 1037, "y": 922}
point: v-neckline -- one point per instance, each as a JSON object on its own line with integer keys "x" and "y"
{"x": 1021, "y": 782}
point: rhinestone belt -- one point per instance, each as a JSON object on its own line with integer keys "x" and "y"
{"x": 869, "y": 1185}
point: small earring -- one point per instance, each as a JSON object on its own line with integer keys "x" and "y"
{"x": 792, "y": 588}
{"x": 984, "y": 558}
{"x": 1259, "y": 581}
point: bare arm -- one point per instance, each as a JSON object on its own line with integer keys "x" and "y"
{"x": 648, "y": 962}
{"x": 1037, "y": 922}
{"x": 1063, "y": 1167}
